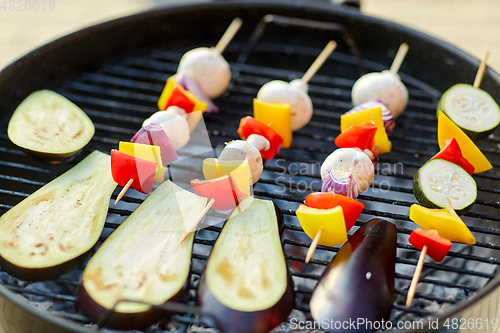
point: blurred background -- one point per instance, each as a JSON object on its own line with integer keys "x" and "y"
{"x": 473, "y": 26}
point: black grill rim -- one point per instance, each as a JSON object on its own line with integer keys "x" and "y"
{"x": 55, "y": 52}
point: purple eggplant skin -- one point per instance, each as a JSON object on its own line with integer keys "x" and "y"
{"x": 359, "y": 283}
{"x": 50, "y": 158}
{"x": 233, "y": 321}
{"x": 126, "y": 321}
{"x": 46, "y": 273}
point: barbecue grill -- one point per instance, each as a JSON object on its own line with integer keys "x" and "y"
{"x": 115, "y": 71}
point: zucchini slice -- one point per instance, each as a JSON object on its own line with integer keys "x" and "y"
{"x": 439, "y": 180}
{"x": 472, "y": 109}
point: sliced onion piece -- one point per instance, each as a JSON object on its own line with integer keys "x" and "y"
{"x": 188, "y": 83}
{"x": 340, "y": 182}
{"x": 153, "y": 134}
{"x": 387, "y": 116}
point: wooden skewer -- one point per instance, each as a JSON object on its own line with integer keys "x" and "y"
{"x": 124, "y": 190}
{"x": 320, "y": 60}
{"x": 400, "y": 56}
{"x": 229, "y": 34}
{"x": 480, "y": 71}
{"x": 197, "y": 221}
{"x": 313, "y": 246}
{"x": 416, "y": 277}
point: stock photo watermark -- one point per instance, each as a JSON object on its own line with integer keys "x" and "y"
{"x": 287, "y": 174}
{"x": 27, "y": 5}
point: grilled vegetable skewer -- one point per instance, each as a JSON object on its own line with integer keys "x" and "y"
{"x": 443, "y": 226}
{"x": 346, "y": 173}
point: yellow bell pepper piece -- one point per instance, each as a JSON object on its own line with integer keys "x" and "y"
{"x": 277, "y": 116}
{"x": 447, "y": 223}
{"x": 146, "y": 152}
{"x": 194, "y": 117}
{"x": 238, "y": 170}
{"x": 330, "y": 220}
{"x": 375, "y": 115}
{"x": 447, "y": 129}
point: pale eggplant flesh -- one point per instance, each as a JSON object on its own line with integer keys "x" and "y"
{"x": 49, "y": 127}
{"x": 142, "y": 261}
{"x": 246, "y": 286}
{"x": 358, "y": 285}
{"x": 54, "y": 230}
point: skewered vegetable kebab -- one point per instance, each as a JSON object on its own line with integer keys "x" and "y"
{"x": 385, "y": 86}
{"x": 348, "y": 171}
{"x": 175, "y": 122}
{"x": 471, "y": 108}
{"x": 281, "y": 108}
{"x": 445, "y": 182}
{"x": 202, "y": 72}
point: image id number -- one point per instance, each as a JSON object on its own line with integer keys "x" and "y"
{"x": 27, "y": 5}
{"x": 471, "y": 323}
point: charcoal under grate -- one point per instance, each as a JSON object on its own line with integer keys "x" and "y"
{"x": 119, "y": 95}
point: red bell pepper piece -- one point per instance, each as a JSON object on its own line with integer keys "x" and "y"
{"x": 360, "y": 136}
{"x": 326, "y": 200}
{"x": 179, "y": 99}
{"x": 437, "y": 246}
{"x": 452, "y": 153}
{"x": 223, "y": 190}
{"x": 125, "y": 167}
{"x": 250, "y": 125}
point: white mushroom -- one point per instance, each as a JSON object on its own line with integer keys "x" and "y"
{"x": 386, "y": 86}
{"x": 354, "y": 161}
{"x": 209, "y": 68}
{"x": 300, "y": 84}
{"x": 240, "y": 150}
{"x": 292, "y": 93}
{"x": 175, "y": 125}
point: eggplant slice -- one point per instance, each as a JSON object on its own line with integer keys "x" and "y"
{"x": 51, "y": 232}
{"x": 358, "y": 286}
{"x": 50, "y": 127}
{"x": 246, "y": 286}
{"x": 143, "y": 261}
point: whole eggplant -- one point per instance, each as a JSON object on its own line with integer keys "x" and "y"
{"x": 356, "y": 292}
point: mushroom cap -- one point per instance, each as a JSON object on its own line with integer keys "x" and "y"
{"x": 239, "y": 150}
{"x": 386, "y": 86}
{"x": 354, "y": 161}
{"x": 279, "y": 92}
{"x": 300, "y": 84}
{"x": 209, "y": 68}
{"x": 176, "y": 126}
